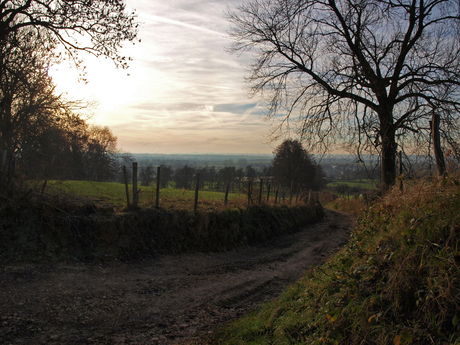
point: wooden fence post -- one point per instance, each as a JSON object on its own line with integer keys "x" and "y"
{"x": 157, "y": 202}
{"x": 48, "y": 174}
{"x": 401, "y": 185}
{"x": 135, "y": 190}
{"x": 249, "y": 193}
{"x": 268, "y": 193}
{"x": 197, "y": 187}
{"x": 126, "y": 184}
{"x": 4, "y": 155}
{"x": 260, "y": 190}
{"x": 226, "y": 194}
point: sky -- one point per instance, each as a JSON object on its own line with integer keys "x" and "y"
{"x": 183, "y": 92}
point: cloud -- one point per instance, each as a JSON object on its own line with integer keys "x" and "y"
{"x": 171, "y": 106}
{"x": 154, "y": 18}
{"x": 185, "y": 92}
{"x": 236, "y": 108}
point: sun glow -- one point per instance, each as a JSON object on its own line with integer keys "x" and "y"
{"x": 109, "y": 88}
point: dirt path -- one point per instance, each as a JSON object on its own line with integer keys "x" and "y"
{"x": 166, "y": 300}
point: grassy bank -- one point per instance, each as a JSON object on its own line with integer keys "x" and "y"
{"x": 396, "y": 282}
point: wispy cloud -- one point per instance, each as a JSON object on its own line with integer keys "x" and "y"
{"x": 184, "y": 92}
{"x": 154, "y": 18}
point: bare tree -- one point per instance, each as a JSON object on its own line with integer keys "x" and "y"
{"x": 367, "y": 73}
{"x": 98, "y": 27}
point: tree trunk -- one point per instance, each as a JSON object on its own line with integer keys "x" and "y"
{"x": 388, "y": 151}
{"x": 438, "y": 155}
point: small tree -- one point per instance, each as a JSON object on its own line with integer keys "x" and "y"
{"x": 292, "y": 163}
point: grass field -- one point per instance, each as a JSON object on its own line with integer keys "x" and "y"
{"x": 365, "y": 184}
{"x": 112, "y": 193}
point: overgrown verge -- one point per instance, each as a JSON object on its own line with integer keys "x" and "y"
{"x": 349, "y": 206}
{"x": 396, "y": 282}
{"x": 60, "y": 230}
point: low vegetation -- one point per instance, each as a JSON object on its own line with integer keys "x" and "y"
{"x": 396, "y": 282}
{"x": 353, "y": 206}
{"x": 359, "y": 184}
{"x": 63, "y": 226}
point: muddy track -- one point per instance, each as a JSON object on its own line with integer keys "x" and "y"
{"x": 171, "y": 299}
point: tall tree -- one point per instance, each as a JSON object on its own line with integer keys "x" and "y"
{"x": 27, "y": 98}
{"x": 292, "y": 163}
{"x": 369, "y": 73}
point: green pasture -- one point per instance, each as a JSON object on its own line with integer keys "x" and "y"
{"x": 365, "y": 184}
{"x": 113, "y": 193}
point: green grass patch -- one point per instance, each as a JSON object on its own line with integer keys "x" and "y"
{"x": 114, "y": 194}
{"x": 396, "y": 282}
{"x": 364, "y": 184}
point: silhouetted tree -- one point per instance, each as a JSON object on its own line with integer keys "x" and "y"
{"x": 250, "y": 173}
{"x": 226, "y": 175}
{"x": 293, "y": 163}
{"x": 98, "y": 27}
{"x": 166, "y": 174}
{"x": 365, "y": 74}
{"x": 184, "y": 177}
{"x": 239, "y": 175}
{"x": 28, "y": 103}
{"x": 320, "y": 178}
{"x": 147, "y": 175}
{"x": 31, "y": 33}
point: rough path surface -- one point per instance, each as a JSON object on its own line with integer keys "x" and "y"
{"x": 170, "y": 299}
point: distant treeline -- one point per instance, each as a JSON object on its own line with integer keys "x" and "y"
{"x": 211, "y": 178}
{"x": 215, "y": 179}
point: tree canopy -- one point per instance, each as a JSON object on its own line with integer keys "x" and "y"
{"x": 98, "y": 27}
{"x": 293, "y": 164}
{"x": 367, "y": 74}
